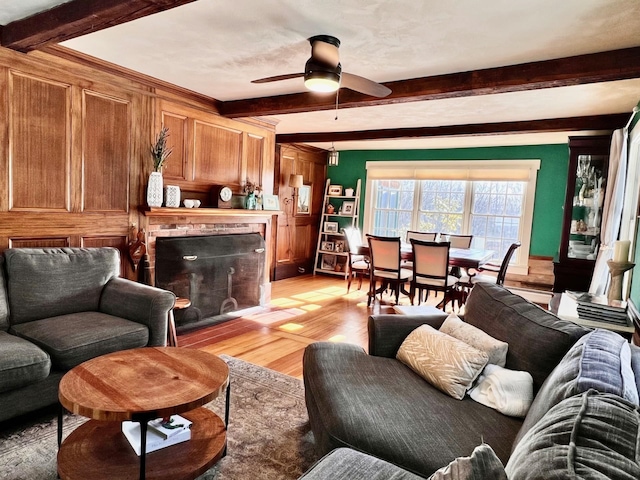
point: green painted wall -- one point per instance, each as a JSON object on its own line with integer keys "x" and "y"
{"x": 550, "y": 189}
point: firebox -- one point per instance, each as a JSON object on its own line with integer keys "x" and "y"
{"x": 220, "y": 274}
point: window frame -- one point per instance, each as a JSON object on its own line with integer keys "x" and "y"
{"x": 472, "y": 170}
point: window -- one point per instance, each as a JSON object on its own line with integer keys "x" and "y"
{"x": 491, "y": 200}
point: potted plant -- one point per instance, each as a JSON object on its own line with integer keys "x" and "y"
{"x": 251, "y": 190}
{"x": 159, "y": 152}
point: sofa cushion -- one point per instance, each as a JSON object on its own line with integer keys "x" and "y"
{"x": 537, "y": 339}
{"x": 343, "y": 463}
{"x": 592, "y": 435}
{"x": 482, "y": 464}
{"x": 21, "y": 362}
{"x": 445, "y": 362}
{"x": 475, "y": 337}
{"x": 379, "y": 406}
{"x": 48, "y": 282}
{"x": 75, "y": 338}
{"x": 595, "y": 361}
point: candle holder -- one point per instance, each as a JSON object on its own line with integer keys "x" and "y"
{"x": 617, "y": 269}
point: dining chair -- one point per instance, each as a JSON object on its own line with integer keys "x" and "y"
{"x": 459, "y": 241}
{"x": 385, "y": 267}
{"x": 422, "y": 236}
{"x": 357, "y": 265}
{"x": 431, "y": 270}
{"x": 501, "y": 269}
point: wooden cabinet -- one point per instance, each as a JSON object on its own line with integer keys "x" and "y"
{"x": 582, "y": 218}
{"x": 212, "y": 150}
{"x": 297, "y": 232}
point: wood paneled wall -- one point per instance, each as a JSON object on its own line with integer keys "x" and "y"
{"x": 74, "y": 150}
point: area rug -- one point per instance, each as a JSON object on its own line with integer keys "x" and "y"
{"x": 268, "y": 437}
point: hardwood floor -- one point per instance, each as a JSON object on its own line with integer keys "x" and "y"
{"x": 303, "y": 310}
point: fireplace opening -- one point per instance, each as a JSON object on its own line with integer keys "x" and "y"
{"x": 222, "y": 275}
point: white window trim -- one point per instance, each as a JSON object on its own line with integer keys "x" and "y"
{"x": 515, "y": 170}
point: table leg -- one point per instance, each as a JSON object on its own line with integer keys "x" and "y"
{"x": 60, "y": 415}
{"x": 143, "y": 448}
{"x": 226, "y": 416}
{"x": 173, "y": 336}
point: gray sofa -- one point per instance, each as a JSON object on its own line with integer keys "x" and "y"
{"x": 62, "y": 306}
{"x": 362, "y": 406}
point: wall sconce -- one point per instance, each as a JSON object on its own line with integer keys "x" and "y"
{"x": 333, "y": 156}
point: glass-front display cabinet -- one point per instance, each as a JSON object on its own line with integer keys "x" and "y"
{"x": 582, "y": 219}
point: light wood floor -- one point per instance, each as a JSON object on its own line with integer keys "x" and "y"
{"x": 303, "y": 310}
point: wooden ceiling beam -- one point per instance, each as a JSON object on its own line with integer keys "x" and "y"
{"x": 596, "y": 122}
{"x": 76, "y": 18}
{"x": 583, "y": 69}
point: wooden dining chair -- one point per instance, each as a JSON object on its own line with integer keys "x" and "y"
{"x": 459, "y": 241}
{"x": 357, "y": 265}
{"x": 422, "y": 236}
{"x": 385, "y": 267}
{"x": 431, "y": 270}
{"x": 501, "y": 269}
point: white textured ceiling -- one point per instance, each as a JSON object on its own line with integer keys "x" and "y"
{"x": 217, "y": 47}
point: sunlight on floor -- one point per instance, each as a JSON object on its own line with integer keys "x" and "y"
{"x": 291, "y": 327}
{"x": 338, "y": 338}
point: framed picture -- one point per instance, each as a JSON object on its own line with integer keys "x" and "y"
{"x": 328, "y": 261}
{"x": 335, "y": 190}
{"x": 303, "y": 205}
{"x": 338, "y": 246}
{"x": 348, "y": 208}
{"x": 270, "y": 202}
{"x": 327, "y": 246}
{"x": 331, "y": 227}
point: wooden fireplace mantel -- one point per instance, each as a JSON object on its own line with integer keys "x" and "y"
{"x": 206, "y": 212}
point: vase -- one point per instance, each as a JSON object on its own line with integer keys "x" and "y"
{"x": 172, "y": 196}
{"x": 154, "y": 189}
{"x": 250, "y": 202}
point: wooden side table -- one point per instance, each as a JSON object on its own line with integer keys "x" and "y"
{"x": 181, "y": 303}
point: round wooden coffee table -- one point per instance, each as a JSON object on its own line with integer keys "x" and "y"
{"x": 140, "y": 385}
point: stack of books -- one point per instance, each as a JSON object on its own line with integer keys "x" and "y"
{"x": 161, "y": 433}
{"x": 600, "y": 309}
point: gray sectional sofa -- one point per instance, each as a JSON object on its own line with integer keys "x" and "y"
{"x": 62, "y": 306}
{"x": 375, "y": 418}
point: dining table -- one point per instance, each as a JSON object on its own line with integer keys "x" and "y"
{"x": 458, "y": 257}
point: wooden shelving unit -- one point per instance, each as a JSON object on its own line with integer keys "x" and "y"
{"x": 331, "y": 251}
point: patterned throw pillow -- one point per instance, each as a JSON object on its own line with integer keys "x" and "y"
{"x": 475, "y": 337}
{"x": 445, "y": 362}
{"x": 483, "y": 464}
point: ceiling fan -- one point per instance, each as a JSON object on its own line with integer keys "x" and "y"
{"x": 323, "y": 72}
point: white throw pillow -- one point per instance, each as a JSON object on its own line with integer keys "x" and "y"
{"x": 445, "y": 362}
{"x": 475, "y": 337}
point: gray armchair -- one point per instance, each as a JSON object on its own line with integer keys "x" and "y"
{"x": 62, "y": 306}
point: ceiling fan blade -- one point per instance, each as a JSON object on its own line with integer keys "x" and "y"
{"x": 325, "y": 52}
{"x": 363, "y": 85}
{"x": 277, "y": 78}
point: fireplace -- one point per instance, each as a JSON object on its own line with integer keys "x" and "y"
{"x": 222, "y": 275}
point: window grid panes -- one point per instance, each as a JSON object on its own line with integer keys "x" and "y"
{"x": 492, "y": 214}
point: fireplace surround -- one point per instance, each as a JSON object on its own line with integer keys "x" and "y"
{"x": 211, "y": 233}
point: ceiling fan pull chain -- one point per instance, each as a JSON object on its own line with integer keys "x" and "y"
{"x": 337, "y": 104}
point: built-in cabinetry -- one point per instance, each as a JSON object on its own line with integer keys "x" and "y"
{"x": 585, "y": 194}
{"x": 297, "y": 229}
{"x": 341, "y": 209}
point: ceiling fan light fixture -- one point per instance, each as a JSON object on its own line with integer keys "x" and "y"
{"x": 324, "y": 82}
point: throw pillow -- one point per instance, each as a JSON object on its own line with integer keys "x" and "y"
{"x": 597, "y": 360}
{"x": 445, "y": 362}
{"x": 482, "y": 464}
{"x": 506, "y": 391}
{"x": 475, "y": 337}
{"x": 591, "y": 435}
